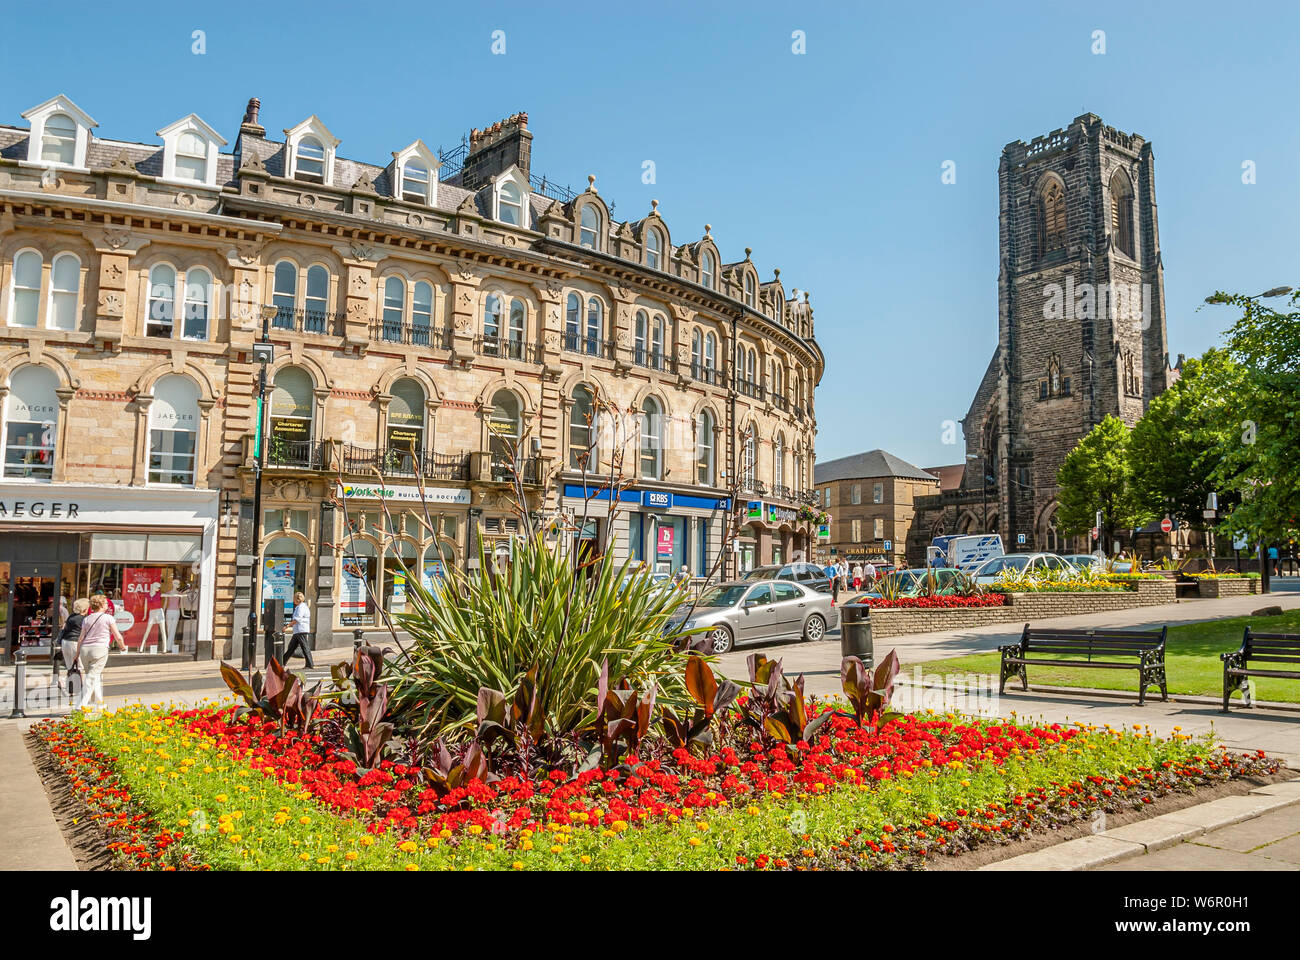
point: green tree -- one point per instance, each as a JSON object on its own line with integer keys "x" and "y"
{"x": 1177, "y": 448}
{"x": 1261, "y": 462}
{"x": 1094, "y": 476}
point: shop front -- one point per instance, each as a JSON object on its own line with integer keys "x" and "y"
{"x": 150, "y": 552}
{"x": 667, "y": 530}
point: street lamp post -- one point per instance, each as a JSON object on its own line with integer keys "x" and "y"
{"x": 264, "y": 356}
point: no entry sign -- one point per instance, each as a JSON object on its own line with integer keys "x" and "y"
{"x": 1166, "y": 525}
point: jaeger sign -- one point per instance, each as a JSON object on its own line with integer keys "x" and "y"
{"x": 11, "y": 509}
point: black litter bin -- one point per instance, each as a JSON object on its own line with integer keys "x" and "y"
{"x": 855, "y": 633}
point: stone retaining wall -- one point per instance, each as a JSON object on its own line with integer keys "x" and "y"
{"x": 1020, "y": 608}
{"x": 1229, "y": 587}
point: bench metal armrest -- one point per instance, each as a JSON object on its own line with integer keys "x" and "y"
{"x": 1235, "y": 659}
{"x": 1015, "y": 649}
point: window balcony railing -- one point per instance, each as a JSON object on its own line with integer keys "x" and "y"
{"x": 780, "y": 402}
{"x": 591, "y": 346}
{"x": 781, "y": 492}
{"x": 705, "y": 374}
{"x": 507, "y": 348}
{"x": 798, "y": 411}
{"x": 530, "y": 469}
{"x": 296, "y": 454}
{"x": 398, "y": 462}
{"x": 808, "y": 497}
{"x": 754, "y": 486}
{"x": 415, "y": 334}
{"x": 307, "y": 320}
{"x": 653, "y": 359}
{"x": 749, "y": 388}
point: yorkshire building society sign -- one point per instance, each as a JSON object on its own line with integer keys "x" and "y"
{"x": 378, "y": 491}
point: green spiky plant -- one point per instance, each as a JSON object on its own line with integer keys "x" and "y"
{"x": 546, "y": 613}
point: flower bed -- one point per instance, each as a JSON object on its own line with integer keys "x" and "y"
{"x": 199, "y": 788}
{"x": 937, "y": 602}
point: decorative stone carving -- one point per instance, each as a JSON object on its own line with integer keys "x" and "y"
{"x": 249, "y": 160}
{"x": 185, "y": 200}
{"x": 365, "y": 184}
{"x": 122, "y": 164}
{"x": 111, "y": 273}
{"x": 247, "y": 251}
{"x": 110, "y": 303}
{"x": 467, "y": 207}
{"x": 358, "y": 282}
{"x": 117, "y": 237}
{"x": 361, "y": 251}
{"x": 307, "y": 200}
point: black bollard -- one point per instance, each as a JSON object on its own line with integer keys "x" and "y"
{"x": 20, "y": 684}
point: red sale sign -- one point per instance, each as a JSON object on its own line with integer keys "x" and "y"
{"x": 142, "y": 600}
{"x": 665, "y": 542}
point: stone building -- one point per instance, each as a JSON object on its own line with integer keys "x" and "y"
{"x": 871, "y": 498}
{"x": 441, "y": 320}
{"x": 1081, "y": 328}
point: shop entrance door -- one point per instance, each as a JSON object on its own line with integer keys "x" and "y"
{"x": 32, "y": 617}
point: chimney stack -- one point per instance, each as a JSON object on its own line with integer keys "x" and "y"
{"x": 494, "y": 149}
{"x": 250, "y": 125}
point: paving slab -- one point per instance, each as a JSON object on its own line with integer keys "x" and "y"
{"x": 1081, "y": 854}
{"x": 1252, "y": 834}
{"x": 1156, "y": 833}
{"x": 1194, "y": 856}
{"x": 30, "y": 839}
{"x": 1287, "y": 850}
{"x": 1226, "y": 811}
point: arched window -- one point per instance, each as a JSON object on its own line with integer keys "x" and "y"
{"x": 510, "y": 205}
{"x": 749, "y": 456}
{"x": 1121, "y": 212}
{"x": 492, "y": 325}
{"x": 394, "y": 308}
{"x": 704, "y": 449}
{"x": 710, "y": 358}
{"x": 421, "y": 312}
{"x": 642, "y": 331}
{"x": 708, "y": 269}
{"x": 751, "y": 362}
{"x": 309, "y": 161}
{"x": 26, "y": 308}
{"x": 658, "y": 342}
{"x": 697, "y": 353}
{"x": 191, "y": 157}
{"x": 65, "y": 285}
{"x": 173, "y": 430}
{"x": 315, "y": 318}
{"x": 595, "y": 325}
{"x": 515, "y": 335}
{"x": 1052, "y": 216}
{"x": 162, "y": 300}
{"x": 749, "y": 289}
{"x": 778, "y": 381}
{"x": 198, "y": 299}
{"x": 572, "y": 322}
{"x": 405, "y": 437}
{"x": 292, "y": 405}
{"x": 284, "y": 294}
{"x": 415, "y": 182}
{"x": 651, "y": 439}
{"x": 653, "y": 250}
{"x": 778, "y": 461}
{"x": 589, "y": 228}
{"x": 505, "y": 430}
{"x": 59, "y": 140}
{"x": 583, "y": 431}
{"x": 31, "y": 414}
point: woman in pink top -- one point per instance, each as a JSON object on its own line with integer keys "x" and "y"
{"x": 98, "y": 630}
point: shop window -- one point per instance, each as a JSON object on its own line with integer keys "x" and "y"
{"x": 31, "y": 424}
{"x": 702, "y": 549}
{"x": 279, "y": 520}
{"x": 284, "y": 571}
{"x": 152, "y": 585}
{"x": 583, "y": 431}
{"x": 173, "y": 431}
{"x": 439, "y": 560}
{"x": 399, "y": 567}
{"x": 292, "y": 399}
{"x": 359, "y": 569}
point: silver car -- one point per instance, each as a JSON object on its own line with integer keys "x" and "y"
{"x": 743, "y": 611}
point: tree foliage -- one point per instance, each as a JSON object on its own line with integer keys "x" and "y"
{"x": 1094, "y": 476}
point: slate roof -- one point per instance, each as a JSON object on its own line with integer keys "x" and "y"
{"x": 950, "y": 475}
{"x": 873, "y": 463}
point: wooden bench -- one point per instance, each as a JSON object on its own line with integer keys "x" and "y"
{"x": 1267, "y": 648}
{"x": 1140, "y": 650}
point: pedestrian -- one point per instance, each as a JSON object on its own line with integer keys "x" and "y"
{"x": 68, "y": 638}
{"x": 833, "y": 578}
{"x": 869, "y": 573}
{"x": 301, "y": 629}
{"x": 98, "y": 632}
{"x": 683, "y": 578}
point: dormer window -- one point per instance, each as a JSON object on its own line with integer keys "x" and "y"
{"x": 190, "y": 151}
{"x": 310, "y": 161}
{"x": 510, "y": 204}
{"x": 60, "y": 133}
{"x": 415, "y": 182}
{"x": 59, "y": 142}
{"x": 191, "y": 157}
{"x": 749, "y": 290}
{"x": 707, "y": 269}
{"x": 653, "y": 250}
{"x": 589, "y": 227}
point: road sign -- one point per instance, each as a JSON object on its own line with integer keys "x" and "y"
{"x": 1166, "y": 525}
{"x": 1239, "y": 543}
{"x": 1020, "y": 538}
{"x": 1095, "y": 533}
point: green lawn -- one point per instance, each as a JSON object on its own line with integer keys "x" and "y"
{"x": 1192, "y": 664}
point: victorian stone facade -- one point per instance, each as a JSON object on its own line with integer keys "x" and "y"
{"x": 1081, "y": 328}
{"x": 440, "y": 321}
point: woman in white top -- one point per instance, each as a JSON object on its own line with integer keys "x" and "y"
{"x": 98, "y": 631}
{"x": 857, "y": 576}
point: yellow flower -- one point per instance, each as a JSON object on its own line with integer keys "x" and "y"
{"x": 333, "y": 848}
{"x": 304, "y": 820}
{"x": 585, "y": 859}
{"x": 695, "y": 841}
{"x": 518, "y": 865}
{"x": 527, "y": 844}
{"x": 557, "y": 848}
{"x": 367, "y": 840}
{"x": 221, "y": 797}
{"x": 350, "y": 855}
{"x": 432, "y": 842}
{"x": 407, "y": 846}
{"x": 412, "y": 866}
{"x": 475, "y": 829}
{"x": 304, "y": 856}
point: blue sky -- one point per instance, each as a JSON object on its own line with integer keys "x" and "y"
{"x": 828, "y": 163}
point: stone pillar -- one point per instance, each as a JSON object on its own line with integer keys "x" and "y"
{"x": 464, "y": 300}
{"x": 323, "y": 615}
{"x": 116, "y": 246}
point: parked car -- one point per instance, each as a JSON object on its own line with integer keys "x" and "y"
{"x": 809, "y": 574}
{"x": 1086, "y": 561}
{"x": 744, "y": 611}
{"x": 989, "y": 571}
{"x": 909, "y": 582}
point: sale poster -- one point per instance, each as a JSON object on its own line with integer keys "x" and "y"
{"x": 142, "y": 599}
{"x": 352, "y": 590}
{"x": 665, "y": 543}
{"x": 278, "y": 580}
{"x": 397, "y": 602}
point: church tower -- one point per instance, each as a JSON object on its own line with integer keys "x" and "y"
{"x": 1081, "y": 315}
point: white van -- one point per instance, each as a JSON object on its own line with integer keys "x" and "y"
{"x": 963, "y": 552}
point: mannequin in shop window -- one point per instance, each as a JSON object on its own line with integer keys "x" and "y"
{"x": 154, "y": 617}
{"x": 174, "y": 598}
